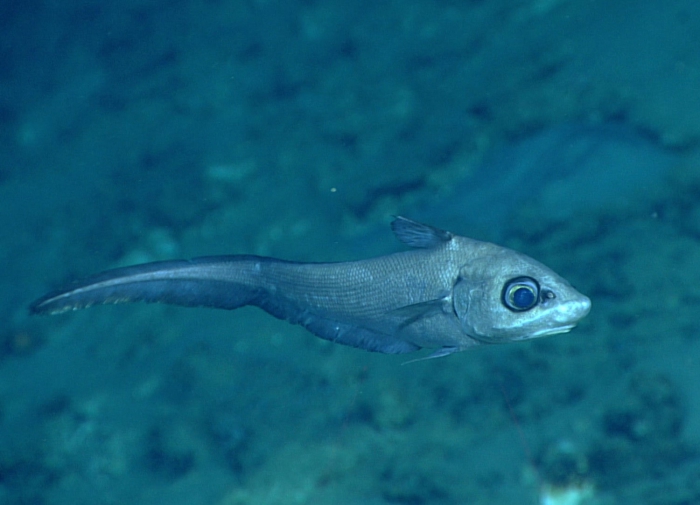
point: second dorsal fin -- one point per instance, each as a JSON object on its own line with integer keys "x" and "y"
{"x": 416, "y": 234}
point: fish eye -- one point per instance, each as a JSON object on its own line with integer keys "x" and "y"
{"x": 520, "y": 294}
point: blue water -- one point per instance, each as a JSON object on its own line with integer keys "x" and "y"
{"x": 145, "y": 130}
{"x": 557, "y": 174}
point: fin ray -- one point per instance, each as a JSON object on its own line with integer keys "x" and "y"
{"x": 415, "y": 234}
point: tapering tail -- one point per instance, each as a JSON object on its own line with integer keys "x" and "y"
{"x": 225, "y": 282}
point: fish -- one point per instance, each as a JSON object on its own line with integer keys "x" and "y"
{"x": 447, "y": 293}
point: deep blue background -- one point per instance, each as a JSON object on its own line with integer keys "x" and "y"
{"x": 145, "y": 130}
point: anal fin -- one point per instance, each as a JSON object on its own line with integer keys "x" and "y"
{"x": 356, "y": 336}
{"x": 340, "y": 332}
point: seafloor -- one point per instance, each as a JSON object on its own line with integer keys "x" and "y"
{"x": 143, "y": 129}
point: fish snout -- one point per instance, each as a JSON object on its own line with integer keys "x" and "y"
{"x": 572, "y": 311}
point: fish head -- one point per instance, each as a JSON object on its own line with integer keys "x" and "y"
{"x": 505, "y": 296}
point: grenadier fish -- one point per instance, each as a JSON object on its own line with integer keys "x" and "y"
{"x": 448, "y": 293}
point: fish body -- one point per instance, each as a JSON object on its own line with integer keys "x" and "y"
{"x": 447, "y": 293}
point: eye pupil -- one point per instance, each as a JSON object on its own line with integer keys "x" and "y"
{"x": 521, "y": 294}
{"x": 523, "y": 297}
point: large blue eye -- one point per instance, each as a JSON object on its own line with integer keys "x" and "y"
{"x": 521, "y": 294}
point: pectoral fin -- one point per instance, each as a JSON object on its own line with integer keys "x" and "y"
{"x": 412, "y": 313}
{"x": 439, "y": 353}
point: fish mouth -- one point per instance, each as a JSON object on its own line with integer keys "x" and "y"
{"x": 552, "y": 331}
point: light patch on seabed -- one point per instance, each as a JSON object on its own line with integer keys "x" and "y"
{"x": 579, "y": 494}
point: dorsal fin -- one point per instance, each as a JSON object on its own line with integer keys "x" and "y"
{"x": 416, "y": 234}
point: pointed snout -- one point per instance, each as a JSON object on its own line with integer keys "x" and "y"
{"x": 572, "y": 311}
